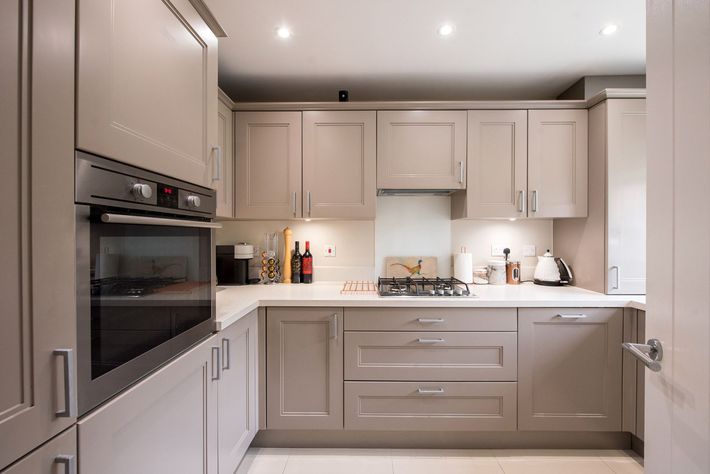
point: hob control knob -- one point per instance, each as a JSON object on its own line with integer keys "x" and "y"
{"x": 440, "y": 292}
{"x": 142, "y": 191}
{"x": 458, "y": 292}
{"x": 193, "y": 202}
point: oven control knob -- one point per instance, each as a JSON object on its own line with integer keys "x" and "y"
{"x": 142, "y": 191}
{"x": 193, "y": 202}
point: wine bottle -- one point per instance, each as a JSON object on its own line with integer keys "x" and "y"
{"x": 296, "y": 266}
{"x": 307, "y": 265}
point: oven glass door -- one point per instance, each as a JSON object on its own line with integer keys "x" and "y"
{"x": 147, "y": 295}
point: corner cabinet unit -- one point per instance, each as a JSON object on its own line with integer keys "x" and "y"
{"x": 304, "y": 368}
{"x": 421, "y": 149}
{"x": 557, "y": 163}
{"x": 224, "y": 177}
{"x": 147, "y": 86}
{"x": 38, "y": 337}
{"x": 165, "y": 423}
{"x": 570, "y": 369}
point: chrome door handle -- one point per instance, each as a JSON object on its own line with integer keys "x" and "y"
{"x": 215, "y": 365}
{"x": 521, "y": 201}
{"x": 571, "y": 316}
{"x": 69, "y": 462}
{"x": 430, "y": 390}
{"x": 430, "y": 320}
{"x": 309, "y": 203}
{"x": 225, "y": 350}
{"x": 460, "y": 172}
{"x": 533, "y": 204}
{"x": 437, "y": 340}
{"x": 218, "y": 159}
{"x": 650, "y": 354}
{"x": 69, "y": 410}
{"x": 109, "y": 218}
{"x": 617, "y": 281}
{"x": 293, "y": 204}
{"x": 333, "y": 326}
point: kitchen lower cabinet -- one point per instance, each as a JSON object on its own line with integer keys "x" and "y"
{"x": 570, "y": 369}
{"x": 634, "y": 374}
{"x": 304, "y": 368}
{"x": 165, "y": 423}
{"x": 237, "y": 391}
{"x": 147, "y": 86}
{"x": 557, "y": 163}
{"x": 421, "y": 149}
{"x": 339, "y": 164}
{"x": 57, "y": 455}
{"x": 224, "y": 182}
{"x": 38, "y": 337}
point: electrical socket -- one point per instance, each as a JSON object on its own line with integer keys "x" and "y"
{"x": 497, "y": 250}
{"x": 529, "y": 250}
{"x": 329, "y": 250}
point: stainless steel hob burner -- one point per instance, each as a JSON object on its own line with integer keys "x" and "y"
{"x": 422, "y": 287}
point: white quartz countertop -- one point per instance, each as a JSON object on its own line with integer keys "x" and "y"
{"x": 234, "y": 302}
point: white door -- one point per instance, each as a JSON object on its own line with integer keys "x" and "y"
{"x": 677, "y": 434}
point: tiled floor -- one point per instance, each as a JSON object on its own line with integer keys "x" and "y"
{"x": 415, "y": 461}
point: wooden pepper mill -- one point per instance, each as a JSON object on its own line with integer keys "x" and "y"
{"x": 288, "y": 241}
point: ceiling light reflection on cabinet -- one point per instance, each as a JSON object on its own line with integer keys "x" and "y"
{"x": 609, "y": 29}
{"x": 283, "y": 32}
{"x": 445, "y": 30}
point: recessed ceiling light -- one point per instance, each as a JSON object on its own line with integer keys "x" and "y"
{"x": 609, "y": 29}
{"x": 445, "y": 30}
{"x": 283, "y": 32}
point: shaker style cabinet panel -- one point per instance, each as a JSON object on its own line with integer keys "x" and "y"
{"x": 421, "y": 149}
{"x": 557, "y": 163}
{"x": 497, "y": 172}
{"x": 37, "y": 393}
{"x": 55, "y": 456}
{"x": 304, "y": 368}
{"x": 238, "y": 392}
{"x": 147, "y": 86}
{"x": 268, "y": 165}
{"x": 165, "y": 423}
{"x": 339, "y": 164}
{"x": 224, "y": 182}
{"x": 569, "y": 369}
{"x": 626, "y": 196}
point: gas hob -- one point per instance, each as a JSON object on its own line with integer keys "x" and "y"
{"x": 424, "y": 287}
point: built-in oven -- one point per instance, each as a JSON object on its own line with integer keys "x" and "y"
{"x": 145, "y": 274}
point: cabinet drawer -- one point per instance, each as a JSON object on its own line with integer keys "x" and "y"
{"x": 464, "y": 356}
{"x": 435, "y": 406}
{"x": 431, "y": 319}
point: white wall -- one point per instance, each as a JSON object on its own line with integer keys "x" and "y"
{"x": 405, "y": 225}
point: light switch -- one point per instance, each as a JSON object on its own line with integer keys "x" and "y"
{"x": 529, "y": 250}
{"x": 497, "y": 250}
{"x": 329, "y": 250}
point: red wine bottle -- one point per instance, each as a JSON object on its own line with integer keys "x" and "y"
{"x": 307, "y": 265}
{"x": 296, "y": 266}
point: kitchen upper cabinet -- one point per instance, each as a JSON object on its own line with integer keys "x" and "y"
{"x": 165, "y": 423}
{"x": 238, "y": 391}
{"x": 557, "y": 163}
{"x": 339, "y": 164}
{"x": 569, "y": 369}
{"x": 497, "y": 171}
{"x": 304, "y": 369}
{"x": 55, "y": 456}
{"x": 224, "y": 182}
{"x": 268, "y": 165}
{"x": 147, "y": 86}
{"x": 38, "y": 337}
{"x": 421, "y": 149}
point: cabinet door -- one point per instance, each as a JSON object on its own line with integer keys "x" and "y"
{"x": 339, "y": 164}
{"x": 304, "y": 368}
{"x": 37, "y": 215}
{"x": 268, "y": 165}
{"x": 569, "y": 369}
{"x": 225, "y": 182}
{"x": 557, "y": 163}
{"x": 54, "y": 457}
{"x": 497, "y": 172}
{"x": 147, "y": 86}
{"x": 238, "y": 407}
{"x": 165, "y": 423}
{"x": 626, "y": 196}
{"x": 421, "y": 149}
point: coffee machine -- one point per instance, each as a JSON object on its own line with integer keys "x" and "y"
{"x": 233, "y": 263}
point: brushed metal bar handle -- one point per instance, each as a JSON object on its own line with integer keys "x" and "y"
{"x": 215, "y": 350}
{"x": 309, "y": 204}
{"x": 333, "y": 326}
{"x": 571, "y": 316}
{"x": 437, "y": 340}
{"x": 533, "y": 205}
{"x": 70, "y": 406}
{"x": 617, "y": 281}
{"x": 521, "y": 201}
{"x": 68, "y": 461}
{"x": 430, "y": 320}
{"x": 109, "y": 218}
{"x": 460, "y": 172}
{"x": 650, "y": 354}
{"x": 226, "y": 363}
{"x": 293, "y": 204}
{"x": 218, "y": 159}
{"x": 430, "y": 390}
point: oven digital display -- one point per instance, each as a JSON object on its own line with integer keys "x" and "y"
{"x": 167, "y": 196}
